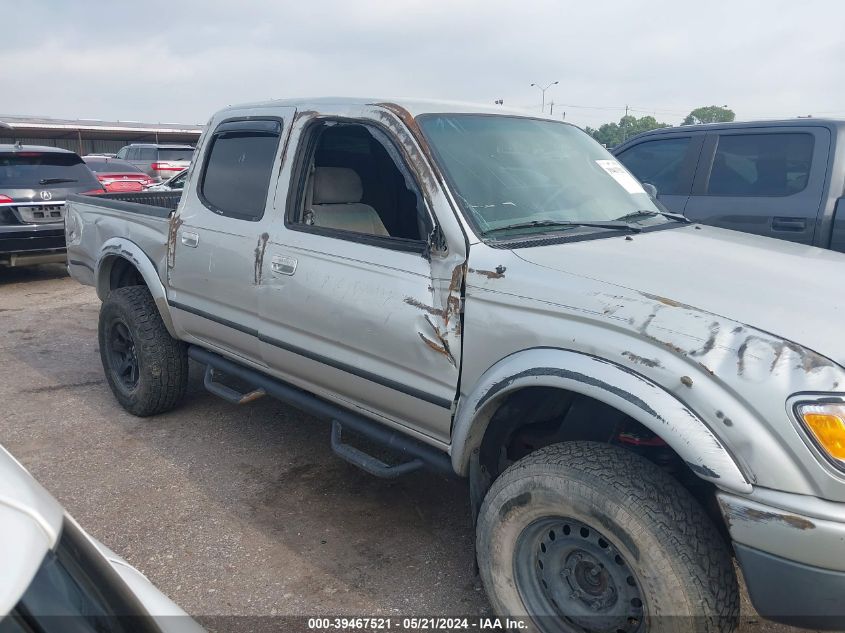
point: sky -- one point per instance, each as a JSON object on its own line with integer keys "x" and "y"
{"x": 179, "y": 61}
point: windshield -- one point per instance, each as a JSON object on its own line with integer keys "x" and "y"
{"x": 29, "y": 170}
{"x": 513, "y": 170}
{"x": 175, "y": 153}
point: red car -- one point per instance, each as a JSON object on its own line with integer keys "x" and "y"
{"x": 117, "y": 175}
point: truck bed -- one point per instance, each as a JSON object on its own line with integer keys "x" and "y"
{"x": 97, "y": 225}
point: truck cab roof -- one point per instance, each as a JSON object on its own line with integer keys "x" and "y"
{"x": 414, "y": 107}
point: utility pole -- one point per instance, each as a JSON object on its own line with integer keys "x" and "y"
{"x": 551, "y": 108}
{"x": 543, "y": 91}
{"x": 625, "y": 125}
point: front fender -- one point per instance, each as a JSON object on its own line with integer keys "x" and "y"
{"x": 616, "y": 386}
{"x": 121, "y": 248}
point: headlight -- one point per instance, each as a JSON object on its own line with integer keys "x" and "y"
{"x": 825, "y": 423}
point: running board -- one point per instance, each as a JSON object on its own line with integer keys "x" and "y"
{"x": 413, "y": 453}
{"x": 368, "y": 463}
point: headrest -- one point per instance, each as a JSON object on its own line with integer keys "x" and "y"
{"x": 336, "y": 185}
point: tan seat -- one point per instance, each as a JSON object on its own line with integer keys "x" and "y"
{"x": 336, "y": 202}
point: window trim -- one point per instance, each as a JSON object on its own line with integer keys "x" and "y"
{"x": 209, "y": 148}
{"x": 717, "y": 137}
{"x": 296, "y": 191}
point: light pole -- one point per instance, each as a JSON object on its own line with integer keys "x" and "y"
{"x": 543, "y": 91}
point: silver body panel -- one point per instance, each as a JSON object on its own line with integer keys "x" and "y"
{"x": 701, "y": 334}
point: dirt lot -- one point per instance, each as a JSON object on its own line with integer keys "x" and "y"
{"x": 229, "y": 510}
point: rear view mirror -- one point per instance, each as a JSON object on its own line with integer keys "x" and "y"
{"x": 651, "y": 190}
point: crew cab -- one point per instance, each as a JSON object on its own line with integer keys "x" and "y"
{"x": 634, "y": 398}
{"x": 34, "y": 182}
{"x": 782, "y": 179}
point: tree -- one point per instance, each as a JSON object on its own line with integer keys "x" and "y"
{"x": 709, "y": 114}
{"x": 611, "y": 134}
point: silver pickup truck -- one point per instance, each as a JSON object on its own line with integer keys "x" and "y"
{"x": 635, "y": 399}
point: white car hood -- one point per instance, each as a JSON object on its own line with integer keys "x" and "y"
{"x": 786, "y": 289}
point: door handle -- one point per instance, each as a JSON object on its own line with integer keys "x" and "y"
{"x": 283, "y": 265}
{"x": 190, "y": 239}
{"x": 789, "y": 224}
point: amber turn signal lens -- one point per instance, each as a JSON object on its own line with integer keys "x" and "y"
{"x": 829, "y": 431}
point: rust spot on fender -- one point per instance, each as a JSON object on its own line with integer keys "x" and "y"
{"x": 648, "y": 362}
{"x": 260, "y": 247}
{"x": 490, "y": 274}
{"x": 762, "y": 516}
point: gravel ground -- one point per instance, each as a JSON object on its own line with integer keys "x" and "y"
{"x": 231, "y": 511}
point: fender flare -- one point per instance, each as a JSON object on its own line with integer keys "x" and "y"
{"x": 615, "y": 385}
{"x": 122, "y": 248}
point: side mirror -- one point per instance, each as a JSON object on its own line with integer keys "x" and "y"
{"x": 651, "y": 190}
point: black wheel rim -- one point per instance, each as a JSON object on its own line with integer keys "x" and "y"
{"x": 572, "y": 578}
{"x": 123, "y": 358}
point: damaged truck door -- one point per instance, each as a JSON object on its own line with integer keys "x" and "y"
{"x": 355, "y": 303}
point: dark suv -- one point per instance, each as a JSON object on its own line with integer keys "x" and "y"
{"x": 159, "y": 161}
{"x": 34, "y": 182}
{"x": 783, "y": 179}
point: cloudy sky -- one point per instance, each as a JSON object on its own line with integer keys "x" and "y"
{"x": 180, "y": 60}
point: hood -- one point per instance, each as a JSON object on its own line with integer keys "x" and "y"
{"x": 785, "y": 289}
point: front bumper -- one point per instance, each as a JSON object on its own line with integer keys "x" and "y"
{"x": 791, "y": 549}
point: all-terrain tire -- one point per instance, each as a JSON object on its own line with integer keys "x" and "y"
{"x": 159, "y": 378}
{"x": 681, "y": 565}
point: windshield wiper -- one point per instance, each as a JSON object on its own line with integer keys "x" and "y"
{"x": 644, "y": 213}
{"x": 600, "y": 224}
{"x": 53, "y": 181}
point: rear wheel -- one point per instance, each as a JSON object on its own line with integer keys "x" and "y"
{"x": 146, "y": 368}
{"x": 584, "y": 536}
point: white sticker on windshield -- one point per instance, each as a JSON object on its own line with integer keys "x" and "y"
{"x": 620, "y": 175}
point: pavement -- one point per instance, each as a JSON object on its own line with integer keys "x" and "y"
{"x": 230, "y": 511}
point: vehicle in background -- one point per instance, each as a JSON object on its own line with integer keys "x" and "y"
{"x": 176, "y": 183}
{"x": 118, "y": 175}
{"x": 160, "y": 161}
{"x": 782, "y": 179}
{"x": 634, "y": 398}
{"x": 57, "y": 577}
{"x": 34, "y": 182}
{"x": 101, "y": 154}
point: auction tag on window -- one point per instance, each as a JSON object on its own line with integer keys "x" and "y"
{"x": 620, "y": 175}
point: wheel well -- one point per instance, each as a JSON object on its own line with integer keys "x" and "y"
{"x": 531, "y": 418}
{"x": 124, "y": 273}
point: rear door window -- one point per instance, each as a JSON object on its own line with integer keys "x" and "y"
{"x": 761, "y": 164}
{"x": 238, "y": 167}
{"x": 659, "y": 163}
{"x": 171, "y": 153}
{"x": 31, "y": 170}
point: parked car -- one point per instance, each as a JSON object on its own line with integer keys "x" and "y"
{"x": 57, "y": 577}
{"x": 118, "y": 175}
{"x": 158, "y": 161}
{"x": 172, "y": 184}
{"x": 34, "y": 182}
{"x": 633, "y": 397}
{"x": 783, "y": 179}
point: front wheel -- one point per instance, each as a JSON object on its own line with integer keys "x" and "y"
{"x": 147, "y": 369}
{"x": 584, "y": 536}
